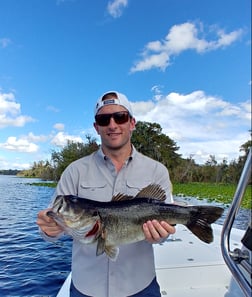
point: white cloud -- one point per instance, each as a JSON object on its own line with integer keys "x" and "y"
{"x": 115, "y": 8}
{"x": 10, "y": 112}
{"x": 186, "y": 36}
{"x": 35, "y": 138}
{"x": 160, "y": 60}
{"x": 14, "y": 164}
{"x": 226, "y": 148}
{"x": 52, "y": 108}
{"x": 141, "y": 108}
{"x": 19, "y": 145}
{"x": 59, "y": 126}
{"x": 227, "y": 39}
{"x": 8, "y": 104}
{"x": 200, "y": 124}
{"x": 61, "y": 138}
{"x": 4, "y": 42}
{"x": 246, "y": 106}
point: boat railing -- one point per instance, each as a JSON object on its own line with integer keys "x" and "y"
{"x": 238, "y": 259}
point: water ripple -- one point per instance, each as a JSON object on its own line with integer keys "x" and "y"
{"x": 30, "y": 267}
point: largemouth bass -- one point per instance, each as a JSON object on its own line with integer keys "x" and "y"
{"x": 120, "y": 221}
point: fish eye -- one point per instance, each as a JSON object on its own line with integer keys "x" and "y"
{"x": 95, "y": 213}
{"x": 74, "y": 200}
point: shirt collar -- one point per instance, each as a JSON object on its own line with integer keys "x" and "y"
{"x": 102, "y": 156}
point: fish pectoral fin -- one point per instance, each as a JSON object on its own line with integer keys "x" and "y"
{"x": 100, "y": 249}
{"x": 111, "y": 251}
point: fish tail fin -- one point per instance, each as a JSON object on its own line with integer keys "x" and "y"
{"x": 201, "y": 220}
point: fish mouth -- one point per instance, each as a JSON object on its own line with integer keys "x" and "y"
{"x": 69, "y": 221}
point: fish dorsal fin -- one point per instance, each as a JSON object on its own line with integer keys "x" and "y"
{"x": 121, "y": 197}
{"x": 152, "y": 191}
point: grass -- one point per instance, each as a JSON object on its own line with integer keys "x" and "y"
{"x": 41, "y": 184}
{"x": 214, "y": 192}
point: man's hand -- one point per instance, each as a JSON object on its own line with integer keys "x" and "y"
{"x": 155, "y": 231}
{"x": 47, "y": 224}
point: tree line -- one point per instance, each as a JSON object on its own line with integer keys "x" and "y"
{"x": 9, "y": 171}
{"x": 149, "y": 140}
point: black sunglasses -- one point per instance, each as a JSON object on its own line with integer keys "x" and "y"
{"x": 120, "y": 117}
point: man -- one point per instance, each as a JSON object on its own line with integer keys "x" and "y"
{"x": 115, "y": 168}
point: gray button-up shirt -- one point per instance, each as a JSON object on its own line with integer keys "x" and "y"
{"x": 95, "y": 177}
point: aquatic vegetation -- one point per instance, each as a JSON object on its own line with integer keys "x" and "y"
{"x": 213, "y": 191}
{"x": 44, "y": 184}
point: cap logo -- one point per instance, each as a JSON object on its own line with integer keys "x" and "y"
{"x": 110, "y": 101}
{"x": 107, "y": 102}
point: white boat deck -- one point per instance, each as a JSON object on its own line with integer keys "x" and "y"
{"x": 187, "y": 267}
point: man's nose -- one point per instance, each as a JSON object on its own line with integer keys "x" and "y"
{"x": 112, "y": 123}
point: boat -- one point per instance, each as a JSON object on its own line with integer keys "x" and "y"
{"x": 219, "y": 269}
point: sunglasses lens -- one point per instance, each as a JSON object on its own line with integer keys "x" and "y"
{"x": 103, "y": 119}
{"x": 120, "y": 117}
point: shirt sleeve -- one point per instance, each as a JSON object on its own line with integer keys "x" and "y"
{"x": 50, "y": 238}
{"x": 162, "y": 178}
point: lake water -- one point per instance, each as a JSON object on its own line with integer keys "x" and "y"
{"x": 29, "y": 266}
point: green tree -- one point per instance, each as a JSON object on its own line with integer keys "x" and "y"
{"x": 221, "y": 175}
{"x": 149, "y": 140}
{"x": 235, "y": 168}
{"x": 245, "y": 149}
{"x": 71, "y": 152}
{"x": 186, "y": 171}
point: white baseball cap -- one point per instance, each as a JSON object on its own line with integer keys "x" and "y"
{"x": 114, "y": 98}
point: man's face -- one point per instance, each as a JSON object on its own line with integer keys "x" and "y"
{"x": 114, "y": 136}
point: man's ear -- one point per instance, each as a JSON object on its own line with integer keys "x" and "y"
{"x": 96, "y": 128}
{"x": 132, "y": 124}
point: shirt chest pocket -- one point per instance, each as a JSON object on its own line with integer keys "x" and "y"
{"x": 98, "y": 191}
{"x": 135, "y": 186}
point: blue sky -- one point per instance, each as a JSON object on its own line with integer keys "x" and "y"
{"x": 185, "y": 64}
